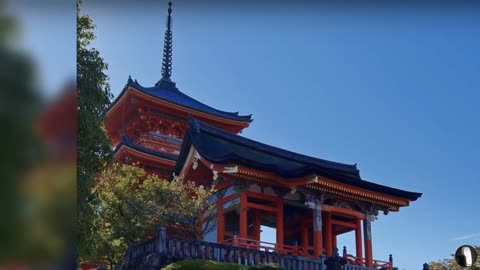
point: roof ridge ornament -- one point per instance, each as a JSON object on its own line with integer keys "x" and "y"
{"x": 167, "y": 53}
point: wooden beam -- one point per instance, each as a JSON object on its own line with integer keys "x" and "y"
{"x": 349, "y": 212}
{"x": 262, "y": 196}
{"x": 262, "y": 207}
{"x": 228, "y": 198}
{"x": 344, "y": 223}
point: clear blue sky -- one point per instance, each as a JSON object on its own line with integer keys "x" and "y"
{"x": 394, "y": 88}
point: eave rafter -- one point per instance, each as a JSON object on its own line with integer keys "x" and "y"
{"x": 138, "y": 155}
{"x": 194, "y": 158}
{"x": 314, "y": 182}
{"x": 326, "y": 185}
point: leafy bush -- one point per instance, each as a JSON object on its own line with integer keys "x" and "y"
{"x": 213, "y": 265}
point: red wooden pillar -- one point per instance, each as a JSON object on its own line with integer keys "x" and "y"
{"x": 334, "y": 240}
{"x": 279, "y": 228}
{"x": 256, "y": 225}
{"x": 220, "y": 223}
{"x": 368, "y": 241}
{"x": 317, "y": 230}
{"x": 328, "y": 234}
{"x": 243, "y": 216}
{"x": 199, "y": 230}
{"x": 304, "y": 236}
{"x": 358, "y": 239}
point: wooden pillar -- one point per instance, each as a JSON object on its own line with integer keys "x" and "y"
{"x": 328, "y": 234}
{"x": 304, "y": 236}
{"x": 220, "y": 223}
{"x": 256, "y": 225}
{"x": 368, "y": 241}
{"x": 243, "y": 216}
{"x": 199, "y": 230}
{"x": 317, "y": 230}
{"x": 334, "y": 240}
{"x": 279, "y": 227}
{"x": 358, "y": 239}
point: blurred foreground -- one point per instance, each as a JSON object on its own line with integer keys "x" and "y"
{"x": 37, "y": 164}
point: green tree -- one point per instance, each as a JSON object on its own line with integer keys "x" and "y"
{"x": 19, "y": 104}
{"x": 131, "y": 205}
{"x": 93, "y": 147}
{"x": 451, "y": 264}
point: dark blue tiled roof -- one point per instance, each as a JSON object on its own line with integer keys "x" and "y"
{"x": 169, "y": 92}
{"x": 222, "y": 147}
{"x": 127, "y": 142}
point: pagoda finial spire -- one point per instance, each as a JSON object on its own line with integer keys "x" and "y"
{"x": 167, "y": 49}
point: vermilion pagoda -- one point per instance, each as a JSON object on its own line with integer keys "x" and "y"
{"x": 309, "y": 201}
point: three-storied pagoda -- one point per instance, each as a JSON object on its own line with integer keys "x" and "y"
{"x": 310, "y": 201}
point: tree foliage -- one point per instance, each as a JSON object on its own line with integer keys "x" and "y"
{"x": 451, "y": 264}
{"x": 93, "y": 147}
{"x": 19, "y": 105}
{"x": 131, "y": 204}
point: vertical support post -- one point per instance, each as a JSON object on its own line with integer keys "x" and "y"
{"x": 305, "y": 237}
{"x": 162, "y": 240}
{"x": 243, "y": 215}
{"x": 390, "y": 261}
{"x": 317, "y": 230}
{"x": 328, "y": 233}
{"x": 358, "y": 239}
{"x": 367, "y": 230}
{"x": 199, "y": 229}
{"x": 334, "y": 240}
{"x": 256, "y": 225}
{"x": 235, "y": 239}
{"x": 220, "y": 223}
{"x": 280, "y": 222}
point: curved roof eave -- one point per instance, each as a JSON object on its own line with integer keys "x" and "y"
{"x": 175, "y": 96}
{"x": 125, "y": 141}
{"x": 308, "y": 165}
{"x": 249, "y": 143}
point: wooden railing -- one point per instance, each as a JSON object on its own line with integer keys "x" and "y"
{"x": 382, "y": 264}
{"x": 244, "y": 251}
{"x": 265, "y": 246}
{"x": 355, "y": 262}
{"x": 270, "y": 247}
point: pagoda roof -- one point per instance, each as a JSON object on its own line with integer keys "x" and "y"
{"x": 127, "y": 142}
{"x": 170, "y": 93}
{"x": 222, "y": 147}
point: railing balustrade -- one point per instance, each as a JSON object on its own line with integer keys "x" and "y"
{"x": 241, "y": 251}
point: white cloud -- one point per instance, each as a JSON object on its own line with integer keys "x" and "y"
{"x": 466, "y": 237}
